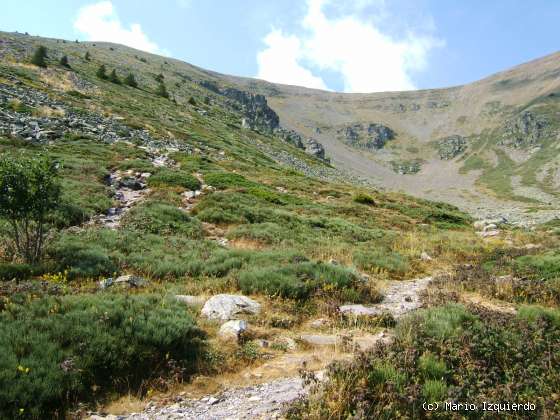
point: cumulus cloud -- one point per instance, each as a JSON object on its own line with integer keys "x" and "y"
{"x": 278, "y": 62}
{"x": 100, "y": 22}
{"x": 366, "y": 58}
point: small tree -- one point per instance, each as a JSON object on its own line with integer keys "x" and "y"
{"x": 64, "y": 61}
{"x": 114, "y": 78}
{"x": 159, "y": 78}
{"x": 162, "y": 91}
{"x": 39, "y": 56}
{"x": 192, "y": 101}
{"x": 102, "y": 72}
{"x": 29, "y": 192}
{"x": 130, "y": 80}
{"x": 87, "y": 57}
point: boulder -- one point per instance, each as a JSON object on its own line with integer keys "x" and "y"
{"x": 227, "y": 307}
{"x": 231, "y": 330}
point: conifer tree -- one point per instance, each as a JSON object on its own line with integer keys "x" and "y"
{"x": 162, "y": 91}
{"x": 114, "y": 78}
{"x": 102, "y": 72}
{"x": 64, "y": 61}
{"x": 130, "y": 80}
{"x": 39, "y": 56}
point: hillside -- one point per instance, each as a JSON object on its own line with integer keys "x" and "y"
{"x": 208, "y": 256}
{"x": 489, "y": 144}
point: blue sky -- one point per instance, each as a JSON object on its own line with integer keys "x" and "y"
{"x": 351, "y": 45}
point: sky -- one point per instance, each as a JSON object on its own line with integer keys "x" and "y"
{"x": 344, "y": 45}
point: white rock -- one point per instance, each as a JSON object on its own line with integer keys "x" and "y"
{"x": 227, "y": 307}
{"x": 425, "y": 257}
{"x": 319, "y": 323}
{"x": 231, "y": 330}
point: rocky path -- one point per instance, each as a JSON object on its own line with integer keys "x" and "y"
{"x": 268, "y": 400}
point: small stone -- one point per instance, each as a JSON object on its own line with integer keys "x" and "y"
{"x": 231, "y": 330}
{"x": 425, "y": 257}
{"x": 319, "y": 323}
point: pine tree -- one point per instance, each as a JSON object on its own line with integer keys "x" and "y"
{"x": 87, "y": 56}
{"x": 114, "y": 78}
{"x": 191, "y": 101}
{"x": 39, "y": 56}
{"x": 162, "y": 91}
{"x": 64, "y": 61}
{"x": 130, "y": 80}
{"x": 102, "y": 72}
{"x": 159, "y": 78}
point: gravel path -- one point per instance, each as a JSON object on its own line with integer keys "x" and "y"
{"x": 268, "y": 400}
{"x": 263, "y": 401}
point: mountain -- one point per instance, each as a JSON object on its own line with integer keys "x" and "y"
{"x": 489, "y": 147}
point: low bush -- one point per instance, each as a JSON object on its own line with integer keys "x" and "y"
{"x": 363, "y": 198}
{"x": 162, "y": 219}
{"x": 170, "y": 178}
{"x": 448, "y": 354}
{"x": 296, "y": 281}
{"x": 17, "y": 272}
{"x": 59, "y": 351}
{"x": 82, "y": 260}
{"x": 378, "y": 260}
{"x": 544, "y": 266}
{"x": 225, "y": 180}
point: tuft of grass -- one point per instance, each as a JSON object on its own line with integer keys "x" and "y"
{"x": 434, "y": 390}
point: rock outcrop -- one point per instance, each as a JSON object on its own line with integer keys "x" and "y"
{"x": 372, "y": 137}
{"x": 309, "y": 145}
{"x": 527, "y": 129}
{"x": 451, "y": 147}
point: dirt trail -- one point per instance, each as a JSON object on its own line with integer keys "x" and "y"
{"x": 267, "y": 400}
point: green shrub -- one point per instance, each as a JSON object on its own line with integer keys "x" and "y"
{"x": 543, "y": 265}
{"x": 296, "y": 281}
{"x": 385, "y": 373}
{"x": 15, "y": 271}
{"x": 488, "y": 356}
{"x": 434, "y": 390}
{"x": 364, "y": 199}
{"x": 534, "y": 313}
{"x": 82, "y": 260}
{"x": 58, "y": 351}
{"x": 39, "y": 56}
{"x": 379, "y": 259}
{"x": 432, "y": 367}
{"x": 160, "y": 218}
{"x": 169, "y": 178}
{"x": 225, "y": 180}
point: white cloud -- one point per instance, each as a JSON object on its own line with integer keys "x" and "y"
{"x": 100, "y": 22}
{"x": 278, "y": 62}
{"x": 367, "y": 59}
